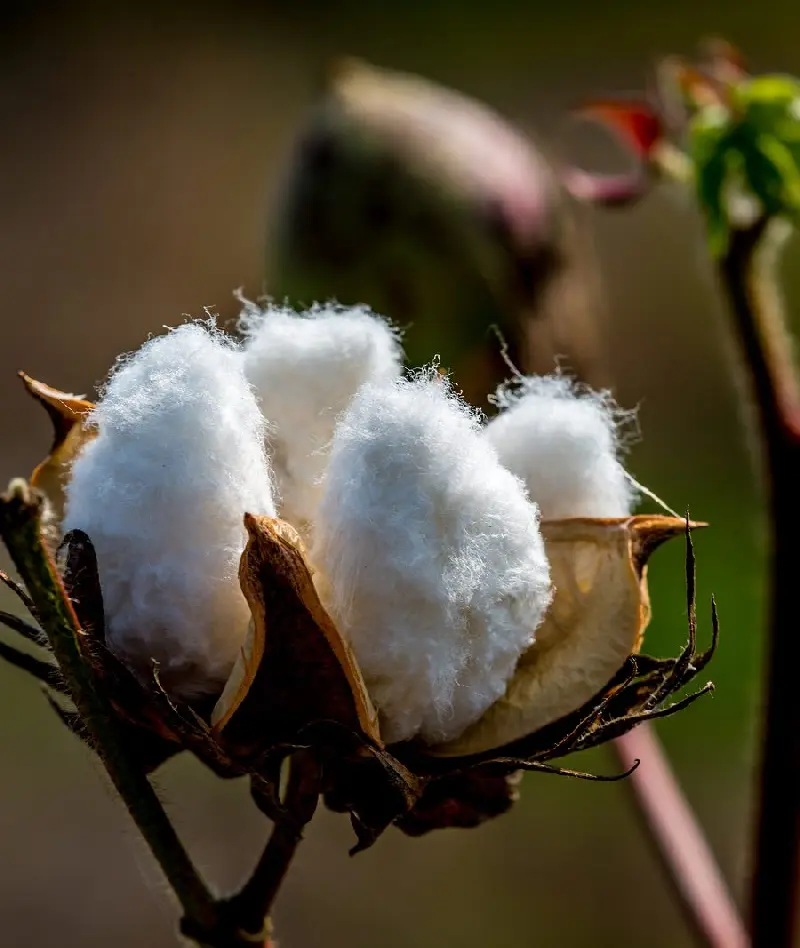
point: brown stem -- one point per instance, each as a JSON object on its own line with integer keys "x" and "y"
{"x": 20, "y": 529}
{"x": 678, "y": 841}
{"x": 238, "y": 922}
{"x": 252, "y": 905}
{"x": 747, "y": 273}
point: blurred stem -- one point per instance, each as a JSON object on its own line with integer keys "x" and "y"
{"x": 676, "y": 837}
{"x": 748, "y": 273}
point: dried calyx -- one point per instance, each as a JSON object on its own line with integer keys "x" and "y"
{"x": 439, "y": 638}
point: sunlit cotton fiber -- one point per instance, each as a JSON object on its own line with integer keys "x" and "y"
{"x": 429, "y": 557}
{"x": 562, "y": 440}
{"x": 179, "y": 458}
{"x": 306, "y": 368}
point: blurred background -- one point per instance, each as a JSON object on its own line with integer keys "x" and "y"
{"x": 143, "y": 146}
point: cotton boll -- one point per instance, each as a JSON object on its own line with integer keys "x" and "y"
{"x": 562, "y": 440}
{"x": 305, "y": 369}
{"x": 429, "y": 557}
{"x": 178, "y": 460}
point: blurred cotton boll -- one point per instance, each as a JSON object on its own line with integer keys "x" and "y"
{"x": 562, "y": 440}
{"x": 433, "y": 209}
{"x": 306, "y": 367}
{"x": 429, "y": 557}
{"x": 178, "y": 459}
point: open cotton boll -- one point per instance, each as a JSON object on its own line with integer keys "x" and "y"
{"x": 305, "y": 369}
{"x": 429, "y": 557}
{"x": 561, "y": 440}
{"x": 162, "y": 490}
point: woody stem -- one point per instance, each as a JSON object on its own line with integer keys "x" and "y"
{"x": 748, "y": 275}
{"x": 20, "y": 529}
{"x": 252, "y": 905}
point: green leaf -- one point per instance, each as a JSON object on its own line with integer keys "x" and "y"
{"x": 754, "y": 145}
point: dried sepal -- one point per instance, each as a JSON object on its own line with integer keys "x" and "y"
{"x": 69, "y": 415}
{"x": 595, "y": 622}
{"x": 295, "y": 668}
{"x": 462, "y": 800}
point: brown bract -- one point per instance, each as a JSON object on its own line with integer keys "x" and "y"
{"x": 69, "y": 414}
{"x": 295, "y": 667}
{"x": 297, "y": 683}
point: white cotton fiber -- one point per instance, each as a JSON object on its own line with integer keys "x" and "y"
{"x": 429, "y": 557}
{"x": 179, "y": 458}
{"x": 306, "y": 369}
{"x": 561, "y": 439}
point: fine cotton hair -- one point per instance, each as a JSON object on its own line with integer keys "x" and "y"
{"x": 161, "y": 491}
{"x": 429, "y": 557}
{"x": 562, "y": 440}
{"x": 306, "y": 368}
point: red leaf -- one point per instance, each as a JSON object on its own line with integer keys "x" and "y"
{"x": 636, "y": 123}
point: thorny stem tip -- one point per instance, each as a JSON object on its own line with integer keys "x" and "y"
{"x": 748, "y": 276}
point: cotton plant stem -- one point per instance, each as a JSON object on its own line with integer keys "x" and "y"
{"x": 748, "y": 276}
{"x": 678, "y": 841}
{"x": 253, "y": 904}
{"x": 20, "y": 523}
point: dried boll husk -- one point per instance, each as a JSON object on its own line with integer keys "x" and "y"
{"x": 72, "y": 429}
{"x": 310, "y": 659}
{"x": 435, "y": 211}
{"x": 597, "y": 619}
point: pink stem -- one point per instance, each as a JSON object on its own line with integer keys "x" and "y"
{"x": 679, "y": 843}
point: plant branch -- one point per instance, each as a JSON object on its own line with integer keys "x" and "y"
{"x": 20, "y": 529}
{"x": 235, "y": 922}
{"x": 252, "y": 905}
{"x": 748, "y": 276}
{"x": 678, "y": 841}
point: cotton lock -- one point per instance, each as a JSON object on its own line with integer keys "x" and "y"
{"x": 306, "y": 368}
{"x": 428, "y": 556}
{"x": 562, "y": 440}
{"x": 161, "y": 491}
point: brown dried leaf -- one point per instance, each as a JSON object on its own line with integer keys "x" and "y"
{"x": 462, "y": 800}
{"x": 596, "y": 621}
{"x": 295, "y": 669}
{"x": 68, "y": 414}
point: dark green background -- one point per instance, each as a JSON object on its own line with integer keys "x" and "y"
{"x": 139, "y": 157}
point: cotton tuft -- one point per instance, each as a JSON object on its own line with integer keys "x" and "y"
{"x": 562, "y": 440}
{"x": 306, "y": 369}
{"x": 429, "y": 557}
{"x": 178, "y": 460}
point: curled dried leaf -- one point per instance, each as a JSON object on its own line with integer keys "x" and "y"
{"x": 69, "y": 415}
{"x": 596, "y": 621}
{"x": 295, "y": 669}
